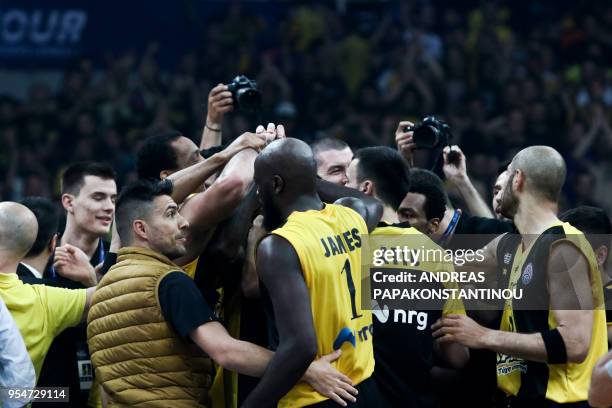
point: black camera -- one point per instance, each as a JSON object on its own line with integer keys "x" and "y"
{"x": 431, "y": 133}
{"x": 245, "y": 94}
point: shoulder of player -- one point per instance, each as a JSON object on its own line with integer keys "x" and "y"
{"x": 351, "y": 204}
{"x": 565, "y": 253}
{"x": 273, "y": 246}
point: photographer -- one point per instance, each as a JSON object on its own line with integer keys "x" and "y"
{"x": 434, "y": 136}
{"x": 454, "y": 169}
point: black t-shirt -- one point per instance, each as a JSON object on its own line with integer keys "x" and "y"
{"x": 403, "y": 350}
{"x": 182, "y": 304}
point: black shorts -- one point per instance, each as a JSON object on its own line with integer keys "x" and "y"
{"x": 368, "y": 397}
{"x": 503, "y": 401}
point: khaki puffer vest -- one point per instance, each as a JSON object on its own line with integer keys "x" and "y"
{"x": 139, "y": 359}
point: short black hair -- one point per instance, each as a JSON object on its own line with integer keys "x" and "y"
{"x": 428, "y": 184}
{"x": 327, "y": 143}
{"x": 47, "y": 216}
{"x": 156, "y": 155}
{"x": 389, "y": 172}
{"x": 73, "y": 177}
{"x": 134, "y": 202}
{"x": 592, "y": 221}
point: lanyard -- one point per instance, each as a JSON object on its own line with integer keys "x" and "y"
{"x": 101, "y": 253}
{"x": 450, "y": 229}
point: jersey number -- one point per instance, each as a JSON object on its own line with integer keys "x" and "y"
{"x": 351, "y": 287}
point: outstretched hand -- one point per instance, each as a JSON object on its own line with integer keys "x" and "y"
{"x": 72, "y": 263}
{"x": 272, "y": 132}
{"x": 328, "y": 381}
{"x": 456, "y": 328}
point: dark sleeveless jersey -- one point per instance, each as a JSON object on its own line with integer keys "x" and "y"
{"x": 527, "y": 270}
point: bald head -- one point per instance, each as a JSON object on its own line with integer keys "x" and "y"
{"x": 285, "y": 171}
{"x": 18, "y": 229}
{"x": 544, "y": 170}
{"x": 290, "y": 159}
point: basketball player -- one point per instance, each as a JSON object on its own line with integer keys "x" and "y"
{"x": 309, "y": 267}
{"x": 550, "y": 339}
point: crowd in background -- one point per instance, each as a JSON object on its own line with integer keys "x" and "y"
{"x": 503, "y": 76}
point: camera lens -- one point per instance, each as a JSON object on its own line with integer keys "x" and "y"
{"x": 426, "y": 137}
{"x": 248, "y": 99}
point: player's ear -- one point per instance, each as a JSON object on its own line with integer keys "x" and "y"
{"x": 367, "y": 187}
{"x": 53, "y": 243}
{"x": 139, "y": 228}
{"x": 278, "y": 184}
{"x": 601, "y": 254}
{"x": 519, "y": 180}
{"x": 67, "y": 201}
{"x": 433, "y": 225}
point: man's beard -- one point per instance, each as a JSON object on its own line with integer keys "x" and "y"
{"x": 173, "y": 252}
{"x": 272, "y": 219}
{"x": 509, "y": 202}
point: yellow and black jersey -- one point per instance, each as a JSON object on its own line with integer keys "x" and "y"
{"x": 403, "y": 342}
{"x": 328, "y": 243}
{"x": 527, "y": 270}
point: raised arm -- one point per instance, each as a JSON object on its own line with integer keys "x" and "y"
{"x": 279, "y": 269}
{"x": 227, "y": 253}
{"x": 230, "y": 238}
{"x": 188, "y": 180}
{"x": 456, "y": 172}
{"x": 369, "y": 208}
{"x": 219, "y": 102}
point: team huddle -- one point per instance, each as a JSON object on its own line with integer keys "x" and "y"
{"x": 248, "y": 264}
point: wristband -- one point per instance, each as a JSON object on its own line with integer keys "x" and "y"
{"x": 212, "y": 129}
{"x": 555, "y": 347}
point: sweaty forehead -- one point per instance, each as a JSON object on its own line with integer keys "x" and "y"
{"x": 95, "y": 184}
{"x": 184, "y": 146}
{"x": 162, "y": 203}
{"x": 413, "y": 200}
{"x": 330, "y": 158}
{"x": 501, "y": 179}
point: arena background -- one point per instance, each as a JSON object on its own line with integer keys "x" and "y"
{"x": 89, "y": 80}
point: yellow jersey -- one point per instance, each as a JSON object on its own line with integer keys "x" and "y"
{"x": 41, "y": 312}
{"x": 562, "y": 383}
{"x": 328, "y": 243}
